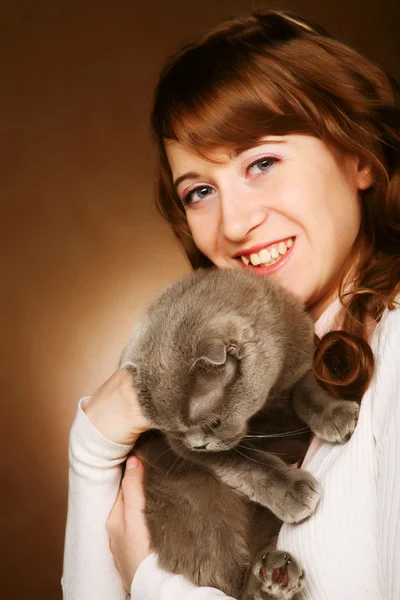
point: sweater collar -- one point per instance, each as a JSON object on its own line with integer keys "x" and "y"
{"x": 326, "y": 322}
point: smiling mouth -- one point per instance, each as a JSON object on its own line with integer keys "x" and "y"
{"x": 269, "y": 255}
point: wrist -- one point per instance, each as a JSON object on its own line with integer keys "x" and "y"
{"x": 111, "y": 429}
{"x": 114, "y": 410}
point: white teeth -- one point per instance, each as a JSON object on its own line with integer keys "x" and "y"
{"x": 282, "y": 248}
{"x": 268, "y": 257}
{"x": 265, "y": 256}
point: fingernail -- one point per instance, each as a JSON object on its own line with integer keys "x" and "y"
{"x": 132, "y": 463}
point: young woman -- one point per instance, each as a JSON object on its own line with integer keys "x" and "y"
{"x": 279, "y": 152}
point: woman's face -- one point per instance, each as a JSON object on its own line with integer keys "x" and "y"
{"x": 287, "y": 208}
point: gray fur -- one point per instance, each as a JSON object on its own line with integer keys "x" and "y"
{"x": 214, "y": 361}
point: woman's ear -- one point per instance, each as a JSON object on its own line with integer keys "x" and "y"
{"x": 364, "y": 174}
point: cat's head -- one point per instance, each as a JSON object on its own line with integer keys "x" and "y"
{"x": 205, "y": 357}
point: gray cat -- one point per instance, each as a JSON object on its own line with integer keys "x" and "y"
{"x": 222, "y": 363}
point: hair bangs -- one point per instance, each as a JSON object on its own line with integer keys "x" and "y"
{"x": 230, "y": 103}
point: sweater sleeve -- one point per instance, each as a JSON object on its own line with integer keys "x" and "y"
{"x": 153, "y": 583}
{"x": 386, "y": 426}
{"x": 89, "y": 570}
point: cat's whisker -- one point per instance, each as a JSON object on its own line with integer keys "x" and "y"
{"x": 248, "y": 457}
{"x": 177, "y": 459}
{"x": 162, "y": 453}
{"x": 290, "y": 431}
{"x": 264, "y": 451}
{"x": 304, "y": 430}
{"x": 269, "y": 467}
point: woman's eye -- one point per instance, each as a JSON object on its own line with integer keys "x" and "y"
{"x": 197, "y": 194}
{"x": 261, "y": 165}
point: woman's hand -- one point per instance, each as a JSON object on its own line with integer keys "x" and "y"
{"x": 126, "y": 526}
{"x": 115, "y": 411}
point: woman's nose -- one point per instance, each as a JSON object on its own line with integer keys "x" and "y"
{"x": 240, "y": 214}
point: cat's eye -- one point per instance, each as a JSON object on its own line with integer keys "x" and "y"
{"x": 215, "y": 423}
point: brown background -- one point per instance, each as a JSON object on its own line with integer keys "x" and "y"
{"x": 82, "y": 246}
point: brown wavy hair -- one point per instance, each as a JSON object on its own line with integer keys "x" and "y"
{"x": 274, "y": 73}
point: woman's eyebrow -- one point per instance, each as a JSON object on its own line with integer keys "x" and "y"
{"x": 189, "y": 175}
{"x": 239, "y": 150}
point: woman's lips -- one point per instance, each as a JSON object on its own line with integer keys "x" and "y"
{"x": 272, "y": 268}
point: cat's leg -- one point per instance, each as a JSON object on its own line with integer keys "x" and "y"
{"x": 274, "y": 574}
{"x": 265, "y": 479}
{"x": 330, "y": 419}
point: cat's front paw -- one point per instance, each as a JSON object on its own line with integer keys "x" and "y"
{"x": 276, "y": 574}
{"x": 299, "y": 497}
{"x": 337, "y": 422}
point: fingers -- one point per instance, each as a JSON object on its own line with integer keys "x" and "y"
{"x": 130, "y": 502}
{"x": 134, "y": 504}
{"x": 126, "y": 526}
{"x": 133, "y": 490}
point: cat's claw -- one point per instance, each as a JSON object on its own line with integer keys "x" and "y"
{"x": 337, "y": 422}
{"x": 274, "y": 574}
{"x": 299, "y": 499}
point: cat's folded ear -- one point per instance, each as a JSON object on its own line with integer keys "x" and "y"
{"x": 214, "y": 352}
{"x": 213, "y": 370}
{"x": 209, "y": 353}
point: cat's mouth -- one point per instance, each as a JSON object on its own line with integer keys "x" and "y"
{"x": 201, "y": 442}
{"x": 216, "y": 445}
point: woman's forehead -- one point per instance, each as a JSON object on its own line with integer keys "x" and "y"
{"x": 178, "y": 153}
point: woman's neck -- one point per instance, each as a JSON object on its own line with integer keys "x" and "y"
{"x": 318, "y": 309}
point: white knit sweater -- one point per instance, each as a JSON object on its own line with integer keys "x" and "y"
{"x": 350, "y": 548}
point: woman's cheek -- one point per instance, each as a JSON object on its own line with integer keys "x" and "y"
{"x": 204, "y": 232}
